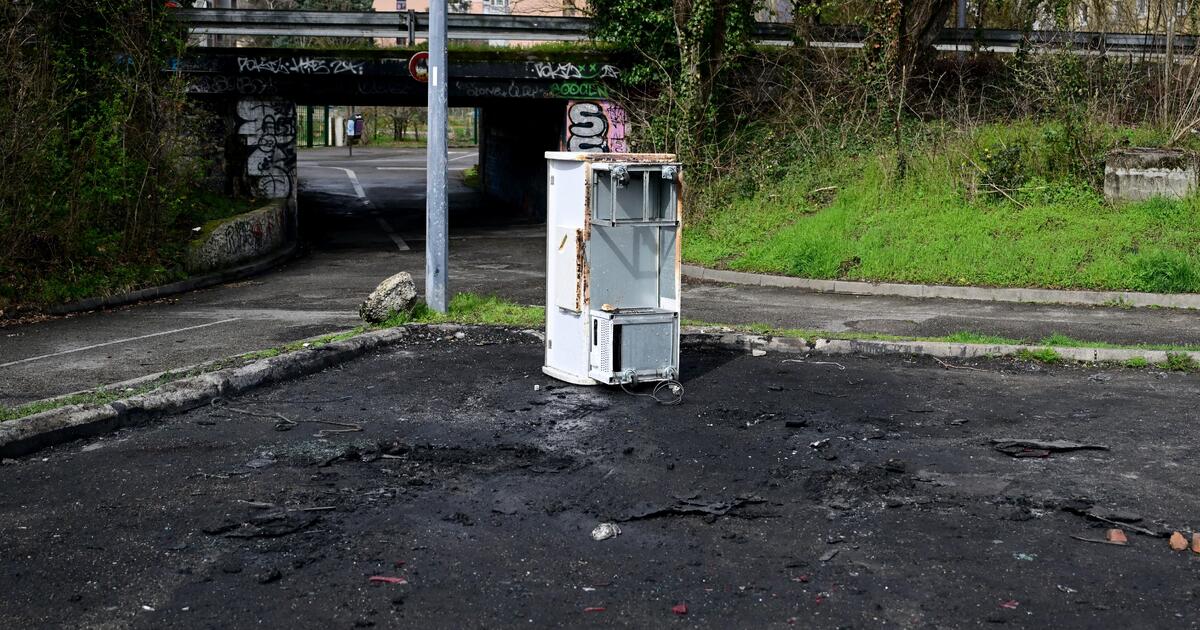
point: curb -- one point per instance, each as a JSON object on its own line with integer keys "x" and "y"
{"x": 23, "y": 436}
{"x": 183, "y": 286}
{"x": 984, "y": 294}
{"x": 31, "y": 433}
{"x": 936, "y": 349}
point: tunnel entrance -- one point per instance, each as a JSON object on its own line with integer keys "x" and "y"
{"x": 370, "y": 192}
{"x": 520, "y": 106}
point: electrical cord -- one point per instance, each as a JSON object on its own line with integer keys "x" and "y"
{"x": 673, "y": 386}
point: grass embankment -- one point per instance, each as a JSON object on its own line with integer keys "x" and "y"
{"x": 993, "y": 207}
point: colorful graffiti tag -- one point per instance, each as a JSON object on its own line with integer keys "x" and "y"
{"x": 595, "y": 127}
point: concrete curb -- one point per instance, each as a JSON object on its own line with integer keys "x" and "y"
{"x": 31, "y": 433}
{"x": 938, "y": 349}
{"x": 191, "y": 284}
{"x": 1037, "y": 296}
{"x": 56, "y": 426}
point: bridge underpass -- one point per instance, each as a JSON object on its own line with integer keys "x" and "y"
{"x": 528, "y": 104}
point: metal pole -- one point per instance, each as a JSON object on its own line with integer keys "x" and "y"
{"x": 349, "y": 137}
{"x": 436, "y": 230}
{"x": 326, "y": 126}
{"x": 310, "y": 125}
{"x": 412, "y": 28}
{"x": 961, "y": 23}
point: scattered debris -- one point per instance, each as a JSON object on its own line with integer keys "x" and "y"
{"x": 593, "y": 609}
{"x": 958, "y": 422}
{"x": 828, "y": 555}
{"x": 1195, "y": 543}
{"x": 691, "y": 505}
{"x": 1116, "y": 537}
{"x": 819, "y": 443}
{"x": 387, "y": 579}
{"x": 679, "y": 609}
{"x": 261, "y": 462}
{"x": 758, "y": 352}
{"x": 270, "y": 525}
{"x": 1041, "y": 448}
{"x": 283, "y": 423}
{"x": 950, "y": 366}
{"x": 270, "y": 575}
{"x": 1102, "y": 377}
{"x": 1099, "y": 541}
{"x": 604, "y": 531}
{"x": 1067, "y": 589}
{"x": 1177, "y": 542}
{"x": 1025, "y": 557}
{"x": 1011, "y": 604}
{"x": 1085, "y": 510}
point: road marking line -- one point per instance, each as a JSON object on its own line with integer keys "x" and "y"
{"x": 387, "y": 229}
{"x": 110, "y": 343}
{"x": 414, "y": 168}
{"x": 358, "y": 189}
{"x": 461, "y": 157}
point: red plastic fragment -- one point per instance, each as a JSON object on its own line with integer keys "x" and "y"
{"x": 1010, "y": 604}
{"x": 387, "y": 579}
{"x": 594, "y": 609}
{"x": 679, "y": 609}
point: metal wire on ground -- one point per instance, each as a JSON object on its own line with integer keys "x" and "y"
{"x": 668, "y": 392}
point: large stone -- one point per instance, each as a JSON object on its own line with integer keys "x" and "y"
{"x": 1137, "y": 174}
{"x": 397, "y": 294}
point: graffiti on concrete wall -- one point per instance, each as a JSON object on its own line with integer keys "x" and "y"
{"x": 222, "y": 84}
{"x": 568, "y": 71}
{"x": 299, "y": 65}
{"x": 579, "y": 89}
{"x": 269, "y": 131}
{"x": 596, "y": 127}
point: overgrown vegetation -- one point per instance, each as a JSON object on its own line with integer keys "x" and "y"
{"x": 96, "y": 162}
{"x": 897, "y": 163}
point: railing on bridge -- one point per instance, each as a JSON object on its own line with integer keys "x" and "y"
{"x": 413, "y": 25}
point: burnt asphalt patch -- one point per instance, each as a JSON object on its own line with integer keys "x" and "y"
{"x": 848, "y": 493}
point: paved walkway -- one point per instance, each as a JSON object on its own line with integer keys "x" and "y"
{"x": 360, "y": 243}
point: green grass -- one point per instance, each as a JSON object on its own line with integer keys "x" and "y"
{"x": 1177, "y": 362}
{"x": 1042, "y": 355}
{"x": 1052, "y": 230}
{"x": 471, "y": 178}
{"x": 1137, "y": 362}
{"x": 469, "y": 308}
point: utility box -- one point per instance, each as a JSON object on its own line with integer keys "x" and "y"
{"x": 612, "y": 261}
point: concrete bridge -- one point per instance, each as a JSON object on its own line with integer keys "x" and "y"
{"x": 529, "y": 103}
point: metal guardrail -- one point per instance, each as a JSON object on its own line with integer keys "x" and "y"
{"x": 413, "y": 25}
{"x": 398, "y": 24}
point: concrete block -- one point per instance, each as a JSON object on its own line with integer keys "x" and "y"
{"x": 241, "y": 238}
{"x": 1137, "y": 174}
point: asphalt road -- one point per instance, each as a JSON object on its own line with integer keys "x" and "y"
{"x": 363, "y": 229}
{"x": 782, "y": 493}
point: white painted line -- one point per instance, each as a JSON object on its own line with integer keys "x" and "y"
{"x": 358, "y": 189}
{"x": 387, "y": 229}
{"x": 111, "y": 343}
{"x": 415, "y": 168}
{"x": 461, "y": 157}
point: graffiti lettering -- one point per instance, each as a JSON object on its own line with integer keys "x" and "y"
{"x": 512, "y": 90}
{"x": 595, "y": 127}
{"x": 567, "y": 71}
{"x": 221, "y": 84}
{"x": 575, "y": 89}
{"x": 299, "y": 65}
{"x": 269, "y": 130}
